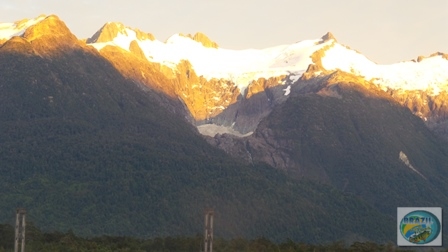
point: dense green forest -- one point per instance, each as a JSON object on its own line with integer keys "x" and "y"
{"x": 36, "y": 240}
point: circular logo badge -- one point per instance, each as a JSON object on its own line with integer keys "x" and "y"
{"x": 420, "y": 227}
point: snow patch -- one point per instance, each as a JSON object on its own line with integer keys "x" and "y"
{"x": 213, "y": 129}
{"x": 295, "y": 77}
{"x": 287, "y": 90}
{"x": 9, "y": 30}
{"x": 405, "y": 160}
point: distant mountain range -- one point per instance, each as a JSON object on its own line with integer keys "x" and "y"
{"x": 123, "y": 134}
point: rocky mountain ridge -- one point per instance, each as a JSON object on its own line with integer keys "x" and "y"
{"x": 420, "y": 87}
{"x": 214, "y": 83}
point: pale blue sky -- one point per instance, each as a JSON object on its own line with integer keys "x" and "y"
{"x": 386, "y": 31}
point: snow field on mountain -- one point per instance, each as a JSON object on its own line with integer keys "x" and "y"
{"x": 243, "y": 66}
{"x": 430, "y": 74}
{"x": 239, "y": 66}
{"x": 9, "y": 30}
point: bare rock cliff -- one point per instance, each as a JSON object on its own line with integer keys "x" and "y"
{"x": 110, "y": 31}
{"x": 203, "y": 39}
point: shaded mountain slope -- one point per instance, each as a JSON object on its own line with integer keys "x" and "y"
{"x": 356, "y": 143}
{"x": 134, "y": 169}
{"x": 354, "y": 137}
{"x": 86, "y": 149}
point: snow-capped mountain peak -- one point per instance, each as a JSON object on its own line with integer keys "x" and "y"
{"x": 9, "y": 30}
{"x": 429, "y": 74}
{"x": 48, "y": 34}
{"x": 328, "y": 36}
{"x": 209, "y": 79}
{"x": 116, "y": 31}
{"x": 239, "y": 66}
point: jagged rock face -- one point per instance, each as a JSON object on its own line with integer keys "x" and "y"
{"x": 262, "y": 84}
{"x": 356, "y": 81}
{"x": 51, "y": 26}
{"x": 262, "y": 146}
{"x": 136, "y": 50}
{"x": 50, "y": 36}
{"x": 22, "y": 24}
{"x": 433, "y": 110}
{"x": 220, "y": 101}
{"x": 203, "y": 39}
{"x": 214, "y": 100}
{"x": 328, "y": 36}
{"x": 261, "y": 97}
{"x": 208, "y": 99}
{"x": 444, "y": 55}
{"x": 107, "y": 33}
{"x": 202, "y": 98}
{"x": 317, "y": 68}
{"x": 143, "y": 35}
{"x": 111, "y": 30}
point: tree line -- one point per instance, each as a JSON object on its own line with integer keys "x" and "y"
{"x": 37, "y": 240}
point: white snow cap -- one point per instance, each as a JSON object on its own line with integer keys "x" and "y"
{"x": 244, "y": 66}
{"x": 430, "y": 74}
{"x": 239, "y": 66}
{"x": 9, "y": 30}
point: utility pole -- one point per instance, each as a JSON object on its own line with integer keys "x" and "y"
{"x": 208, "y": 237}
{"x": 20, "y": 230}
